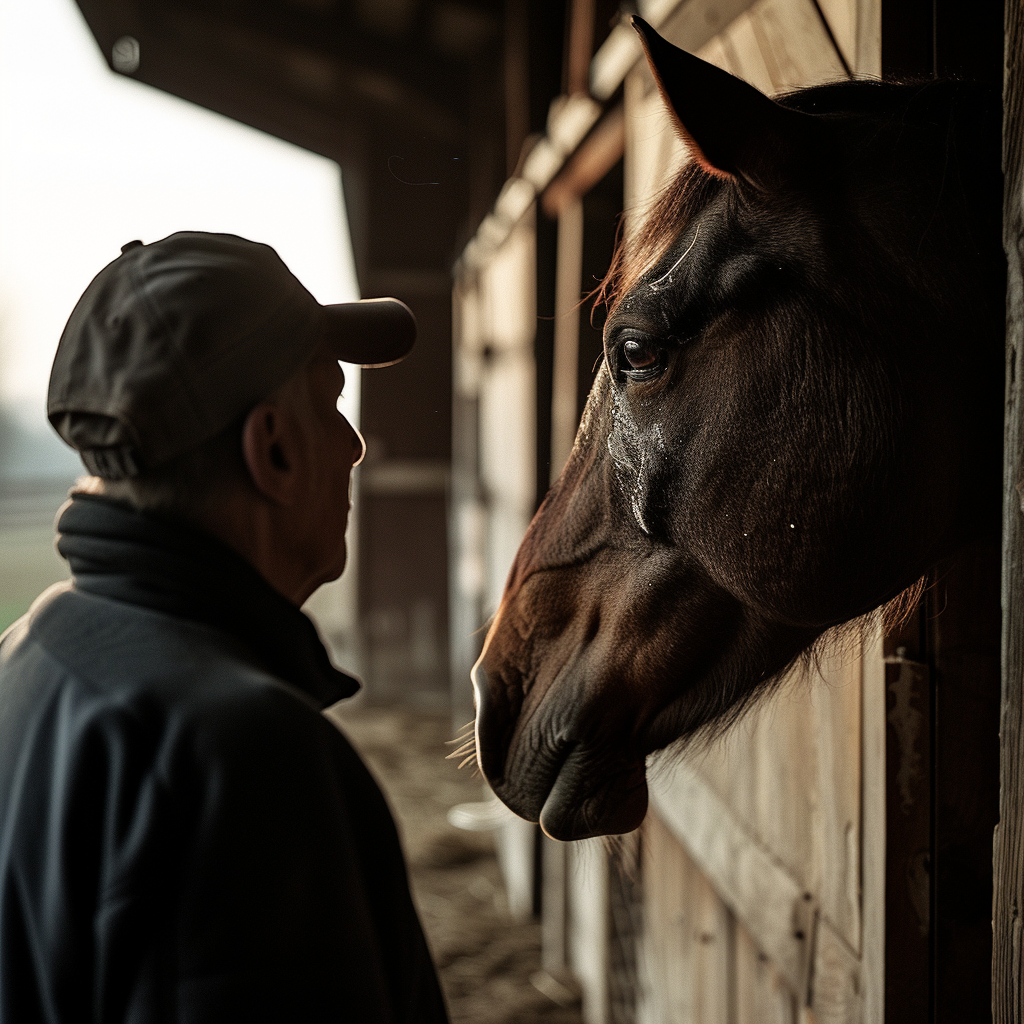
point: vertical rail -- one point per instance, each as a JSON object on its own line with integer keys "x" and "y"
{"x": 1008, "y": 894}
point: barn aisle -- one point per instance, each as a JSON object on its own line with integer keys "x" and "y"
{"x": 488, "y": 962}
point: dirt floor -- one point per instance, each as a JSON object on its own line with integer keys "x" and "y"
{"x": 489, "y": 964}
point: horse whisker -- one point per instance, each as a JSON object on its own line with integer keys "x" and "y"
{"x": 464, "y": 733}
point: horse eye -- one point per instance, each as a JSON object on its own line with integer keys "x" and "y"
{"x": 640, "y": 353}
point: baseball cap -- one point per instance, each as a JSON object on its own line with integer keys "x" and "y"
{"x": 174, "y": 340}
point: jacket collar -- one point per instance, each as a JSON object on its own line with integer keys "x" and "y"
{"x": 161, "y": 563}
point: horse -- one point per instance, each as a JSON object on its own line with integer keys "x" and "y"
{"x": 798, "y": 413}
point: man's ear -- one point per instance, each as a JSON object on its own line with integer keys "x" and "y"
{"x": 272, "y": 447}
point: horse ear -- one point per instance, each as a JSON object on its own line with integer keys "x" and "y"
{"x": 733, "y": 129}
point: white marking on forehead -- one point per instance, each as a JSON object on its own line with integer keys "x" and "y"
{"x": 667, "y": 277}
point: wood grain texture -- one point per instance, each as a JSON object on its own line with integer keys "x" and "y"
{"x": 772, "y": 905}
{"x": 1008, "y": 894}
{"x": 587, "y": 882}
{"x": 762, "y": 996}
{"x": 795, "y": 44}
{"x": 835, "y": 984}
{"x": 714, "y": 954}
{"x": 836, "y": 705}
{"x": 873, "y": 830}
{"x": 666, "y": 961}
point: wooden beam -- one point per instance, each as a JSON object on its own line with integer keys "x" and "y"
{"x": 1008, "y": 890}
{"x": 581, "y": 46}
{"x": 595, "y": 157}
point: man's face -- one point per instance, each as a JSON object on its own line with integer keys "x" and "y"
{"x": 335, "y": 447}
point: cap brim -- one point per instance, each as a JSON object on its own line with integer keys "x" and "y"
{"x": 370, "y": 332}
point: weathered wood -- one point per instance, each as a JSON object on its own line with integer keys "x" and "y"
{"x": 835, "y": 701}
{"x": 596, "y": 156}
{"x": 554, "y": 906}
{"x": 873, "y": 828}
{"x": 772, "y": 905}
{"x": 516, "y": 840}
{"x": 1008, "y": 895}
{"x": 742, "y": 55}
{"x": 762, "y": 996}
{"x": 841, "y": 16}
{"x": 795, "y": 46}
{"x": 653, "y": 150}
{"x": 587, "y": 882}
{"x": 666, "y": 963}
{"x": 568, "y": 279}
{"x": 714, "y": 957}
{"x": 835, "y": 991}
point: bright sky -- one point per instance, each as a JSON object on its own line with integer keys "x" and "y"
{"x": 90, "y": 159}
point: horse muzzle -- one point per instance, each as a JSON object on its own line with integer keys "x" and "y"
{"x": 545, "y": 775}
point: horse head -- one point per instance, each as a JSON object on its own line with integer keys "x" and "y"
{"x": 797, "y": 414}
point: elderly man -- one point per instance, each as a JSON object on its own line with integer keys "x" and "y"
{"x": 183, "y": 835}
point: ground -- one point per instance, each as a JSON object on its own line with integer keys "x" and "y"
{"x": 489, "y": 964}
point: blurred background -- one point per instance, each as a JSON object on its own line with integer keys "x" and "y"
{"x": 476, "y": 158}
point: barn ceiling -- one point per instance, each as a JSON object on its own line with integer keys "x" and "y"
{"x": 406, "y": 95}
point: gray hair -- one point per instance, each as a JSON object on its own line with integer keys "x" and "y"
{"x": 185, "y": 486}
{"x": 190, "y": 484}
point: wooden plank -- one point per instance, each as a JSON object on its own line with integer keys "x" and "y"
{"x": 835, "y": 699}
{"x": 626, "y": 926}
{"x": 772, "y": 905}
{"x": 762, "y": 996}
{"x": 714, "y": 957}
{"x": 873, "y": 829}
{"x": 766, "y": 770}
{"x": 1008, "y": 895}
{"x": 596, "y": 156}
{"x": 743, "y": 55}
{"x": 554, "y": 906}
{"x": 653, "y": 151}
{"x": 835, "y": 987}
{"x": 588, "y": 925}
{"x": 568, "y": 275}
{"x": 795, "y": 45}
{"x": 842, "y": 17}
{"x": 515, "y": 841}
{"x": 666, "y": 953}
{"x": 867, "y": 62}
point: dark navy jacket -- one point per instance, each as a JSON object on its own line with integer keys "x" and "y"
{"x": 183, "y": 836}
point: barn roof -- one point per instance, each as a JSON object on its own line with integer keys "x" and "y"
{"x": 397, "y": 91}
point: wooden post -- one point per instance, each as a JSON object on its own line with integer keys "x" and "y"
{"x": 1008, "y": 893}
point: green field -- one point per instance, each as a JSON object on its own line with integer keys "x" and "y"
{"x": 29, "y": 563}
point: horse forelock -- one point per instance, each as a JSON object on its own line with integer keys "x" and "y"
{"x": 637, "y": 253}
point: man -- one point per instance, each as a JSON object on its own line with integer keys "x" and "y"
{"x": 183, "y": 835}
